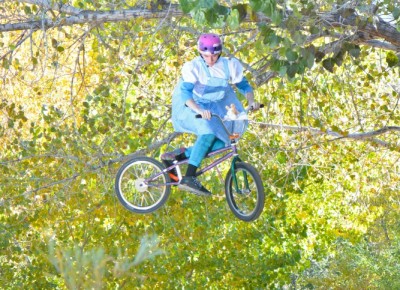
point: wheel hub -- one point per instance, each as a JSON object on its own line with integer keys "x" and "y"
{"x": 140, "y": 185}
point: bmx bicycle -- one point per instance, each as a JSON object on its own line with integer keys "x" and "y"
{"x": 143, "y": 184}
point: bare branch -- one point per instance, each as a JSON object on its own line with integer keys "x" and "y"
{"x": 94, "y": 17}
{"x": 355, "y": 136}
{"x": 379, "y": 29}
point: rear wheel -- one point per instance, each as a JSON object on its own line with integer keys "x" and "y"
{"x": 247, "y": 200}
{"x": 134, "y": 192}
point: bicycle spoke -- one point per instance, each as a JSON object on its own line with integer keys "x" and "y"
{"x": 136, "y": 194}
{"x": 244, "y": 192}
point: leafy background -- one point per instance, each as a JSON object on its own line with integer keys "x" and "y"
{"x": 77, "y": 101}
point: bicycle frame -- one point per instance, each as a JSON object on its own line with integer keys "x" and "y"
{"x": 231, "y": 153}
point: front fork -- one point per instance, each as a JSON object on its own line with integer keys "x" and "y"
{"x": 235, "y": 182}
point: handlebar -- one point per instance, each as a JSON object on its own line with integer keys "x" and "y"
{"x": 198, "y": 116}
{"x": 231, "y": 136}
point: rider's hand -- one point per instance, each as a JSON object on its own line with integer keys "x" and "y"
{"x": 206, "y": 114}
{"x": 254, "y": 106}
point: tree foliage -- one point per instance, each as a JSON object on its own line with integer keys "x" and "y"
{"x": 86, "y": 85}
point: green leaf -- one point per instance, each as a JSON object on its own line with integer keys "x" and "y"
{"x": 199, "y": 16}
{"x": 281, "y": 157}
{"x": 208, "y": 4}
{"x": 186, "y": 5}
{"x": 291, "y": 55}
{"x": 392, "y": 59}
{"x": 276, "y": 17}
{"x": 314, "y": 29}
{"x": 298, "y": 37}
{"x": 27, "y": 10}
{"x": 355, "y": 52}
{"x": 54, "y": 43}
{"x": 328, "y": 64}
{"x": 339, "y": 58}
{"x": 101, "y": 59}
{"x": 5, "y": 63}
{"x": 270, "y": 37}
{"x": 336, "y": 129}
{"x": 136, "y": 28}
{"x": 292, "y": 70}
{"x": 292, "y": 22}
{"x": 277, "y": 64}
{"x": 396, "y": 13}
{"x": 256, "y": 5}
{"x": 282, "y": 71}
{"x": 242, "y": 10}
{"x": 308, "y": 55}
{"x": 233, "y": 19}
{"x": 319, "y": 55}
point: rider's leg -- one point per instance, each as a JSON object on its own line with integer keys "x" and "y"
{"x": 200, "y": 149}
{"x": 217, "y": 144}
{"x": 177, "y": 154}
{"x": 168, "y": 159}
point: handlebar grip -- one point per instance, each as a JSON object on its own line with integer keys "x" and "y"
{"x": 261, "y": 106}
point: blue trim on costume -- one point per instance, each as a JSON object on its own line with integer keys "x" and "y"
{"x": 244, "y": 86}
{"x": 186, "y": 91}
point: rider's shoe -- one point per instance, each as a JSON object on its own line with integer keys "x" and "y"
{"x": 191, "y": 184}
{"x": 168, "y": 159}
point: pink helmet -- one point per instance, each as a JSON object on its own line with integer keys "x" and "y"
{"x": 209, "y": 43}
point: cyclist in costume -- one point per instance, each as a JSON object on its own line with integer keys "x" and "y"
{"x": 205, "y": 88}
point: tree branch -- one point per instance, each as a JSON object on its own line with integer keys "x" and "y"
{"x": 347, "y": 17}
{"x": 355, "y": 136}
{"x": 94, "y": 17}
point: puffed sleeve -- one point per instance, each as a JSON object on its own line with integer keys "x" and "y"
{"x": 237, "y": 77}
{"x": 189, "y": 72}
{"x": 189, "y": 78}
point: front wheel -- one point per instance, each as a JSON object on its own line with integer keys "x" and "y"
{"x": 246, "y": 200}
{"x": 141, "y": 186}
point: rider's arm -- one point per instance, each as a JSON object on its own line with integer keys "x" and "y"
{"x": 245, "y": 88}
{"x": 205, "y": 114}
{"x": 240, "y": 81}
{"x": 187, "y": 97}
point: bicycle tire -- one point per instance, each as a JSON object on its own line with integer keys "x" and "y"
{"x": 247, "y": 205}
{"x": 137, "y": 196}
